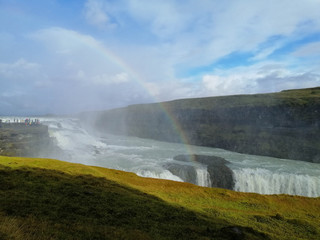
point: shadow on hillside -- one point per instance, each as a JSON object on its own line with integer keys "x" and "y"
{"x": 47, "y": 204}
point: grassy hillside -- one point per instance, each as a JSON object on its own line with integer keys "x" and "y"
{"x": 290, "y": 97}
{"x": 50, "y": 199}
{"x": 283, "y": 125}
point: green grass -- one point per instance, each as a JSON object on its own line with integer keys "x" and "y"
{"x": 50, "y": 199}
{"x": 298, "y": 97}
{"x": 85, "y": 207}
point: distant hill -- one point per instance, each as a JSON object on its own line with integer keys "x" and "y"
{"x": 50, "y": 199}
{"x": 283, "y": 125}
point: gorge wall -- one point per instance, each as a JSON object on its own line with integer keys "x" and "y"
{"x": 283, "y": 125}
{"x": 17, "y": 139}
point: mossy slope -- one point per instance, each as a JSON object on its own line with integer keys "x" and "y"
{"x": 50, "y": 199}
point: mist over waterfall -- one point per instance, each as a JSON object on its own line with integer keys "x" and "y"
{"x": 155, "y": 159}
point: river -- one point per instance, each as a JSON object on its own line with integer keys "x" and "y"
{"x": 148, "y": 158}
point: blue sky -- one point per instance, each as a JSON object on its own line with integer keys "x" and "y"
{"x": 69, "y": 56}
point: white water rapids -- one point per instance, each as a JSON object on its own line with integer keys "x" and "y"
{"x": 148, "y": 158}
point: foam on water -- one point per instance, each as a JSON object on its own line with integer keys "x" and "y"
{"x": 164, "y": 174}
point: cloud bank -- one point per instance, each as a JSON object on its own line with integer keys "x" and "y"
{"x": 104, "y": 54}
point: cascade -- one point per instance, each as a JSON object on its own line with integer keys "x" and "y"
{"x": 203, "y": 177}
{"x": 264, "y": 181}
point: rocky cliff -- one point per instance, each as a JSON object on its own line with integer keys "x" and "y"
{"x": 219, "y": 173}
{"x": 283, "y": 125}
{"x": 17, "y": 139}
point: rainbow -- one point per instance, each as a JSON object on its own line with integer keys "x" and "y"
{"x": 110, "y": 56}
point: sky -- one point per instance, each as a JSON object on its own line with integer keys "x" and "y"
{"x": 63, "y": 57}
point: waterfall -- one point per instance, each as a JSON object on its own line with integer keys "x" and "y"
{"x": 151, "y": 158}
{"x": 264, "y": 181}
{"x": 203, "y": 177}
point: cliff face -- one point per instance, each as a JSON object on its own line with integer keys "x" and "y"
{"x": 28, "y": 141}
{"x": 283, "y": 125}
{"x": 220, "y": 174}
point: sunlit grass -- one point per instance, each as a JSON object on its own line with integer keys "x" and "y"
{"x": 122, "y": 205}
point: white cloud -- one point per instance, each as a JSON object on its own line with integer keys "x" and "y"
{"x": 64, "y": 41}
{"x": 259, "y": 78}
{"x": 165, "y": 18}
{"x": 11, "y": 94}
{"x": 171, "y": 90}
{"x": 20, "y": 70}
{"x": 121, "y": 78}
{"x": 201, "y": 32}
{"x": 85, "y": 73}
{"x": 154, "y": 42}
{"x": 226, "y": 85}
{"x": 105, "y": 79}
{"x": 311, "y": 49}
{"x": 19, "y": 64}
{"x": 96, "y": 14}
{"x": 262, "y": 53}
{"x": 196, "y": 34}
{"x": 78, "y": 57}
